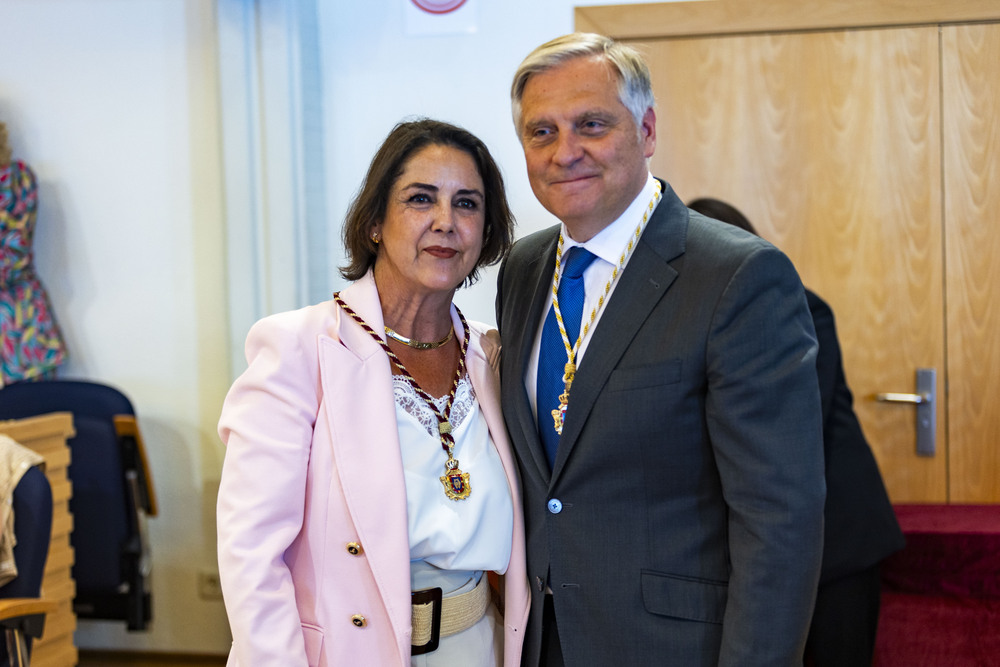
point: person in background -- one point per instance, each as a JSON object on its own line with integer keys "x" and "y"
{"x": 368, "y": 484}
{"x": 861, "y": 527}
{"x": 659, "y": 387}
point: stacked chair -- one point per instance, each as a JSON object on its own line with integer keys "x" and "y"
{"x": 112, "y": 494}
{"x": 22, "y": 613}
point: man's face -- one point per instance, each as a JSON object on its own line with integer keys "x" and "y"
{"x": 586, "y": 159}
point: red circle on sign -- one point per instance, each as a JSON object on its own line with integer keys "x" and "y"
{"x": 438, "y": 6}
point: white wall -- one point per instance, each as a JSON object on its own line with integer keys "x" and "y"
{"x": 377, "y": 75}
{"x": 115, "y": 105}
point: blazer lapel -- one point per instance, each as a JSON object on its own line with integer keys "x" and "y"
{"x": 640, "y": 287}
{"x": 486, "y": 382}
{"x": 483, "y": 376}
{"x": 367, "y": 452}
{"x": 481, "y": 362}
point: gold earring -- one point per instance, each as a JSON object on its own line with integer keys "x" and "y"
{"x": 375, "y": 238}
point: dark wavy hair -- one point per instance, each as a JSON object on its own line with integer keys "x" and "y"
{"x": 720, "y": 210}
{"x": 370, "y": 203}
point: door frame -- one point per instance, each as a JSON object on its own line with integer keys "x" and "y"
{"x": 727, "y": 17}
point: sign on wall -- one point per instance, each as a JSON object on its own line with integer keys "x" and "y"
{"x": 440, "y": 17}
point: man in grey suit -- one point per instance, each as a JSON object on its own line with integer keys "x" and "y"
{"x": 667, "y": 428}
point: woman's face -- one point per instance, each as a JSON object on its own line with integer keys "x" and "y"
{"x": 432, "y": 233}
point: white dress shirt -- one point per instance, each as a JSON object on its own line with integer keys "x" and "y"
{"x": 608, "y": 245}
{"x": 471, "y": 534}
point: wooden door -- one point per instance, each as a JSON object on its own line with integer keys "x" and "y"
{"x": 830, "y": 143}
{"x": 863, "y": 138}
{"x": 971, "y": 131}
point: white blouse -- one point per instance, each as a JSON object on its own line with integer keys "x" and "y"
{"x": 471, "y": 534}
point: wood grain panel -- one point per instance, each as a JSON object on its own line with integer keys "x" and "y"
{"x": 830, "y": 142}
{"x": 971, "y": 122}
{"x": 676, "y": 19}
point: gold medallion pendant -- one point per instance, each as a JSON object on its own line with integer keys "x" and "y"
{"x": 559, "y": 414}
{"x": 456, "y": 482}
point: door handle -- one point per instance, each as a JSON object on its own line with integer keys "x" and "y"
{"x": 924, "y": 399}
{"x": 889, "y": 397}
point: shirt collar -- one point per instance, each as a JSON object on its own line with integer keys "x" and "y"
{"x": 610, "y": 241}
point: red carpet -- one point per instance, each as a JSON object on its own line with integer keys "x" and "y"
{"x": 941, "y": 594}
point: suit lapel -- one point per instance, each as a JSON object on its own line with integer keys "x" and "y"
{"x": 641, "y": 286}
{"x": 531, "y": 289}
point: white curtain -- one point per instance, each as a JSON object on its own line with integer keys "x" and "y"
{"x": 272, "y": 130}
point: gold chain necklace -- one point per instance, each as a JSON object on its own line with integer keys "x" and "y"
{"x": 455, "y": 482}
{"x": 569, "y": 371}
{"x": 416, "y": 344}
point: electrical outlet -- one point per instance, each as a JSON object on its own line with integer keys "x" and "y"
{"x": 209, "y": 586}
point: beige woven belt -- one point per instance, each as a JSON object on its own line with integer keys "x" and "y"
{"x": 434, "y": 617}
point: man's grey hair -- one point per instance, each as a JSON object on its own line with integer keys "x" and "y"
{"x": 635, "y": 89}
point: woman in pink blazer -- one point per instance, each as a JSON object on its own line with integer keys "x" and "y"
{"x": 368, "y": 489}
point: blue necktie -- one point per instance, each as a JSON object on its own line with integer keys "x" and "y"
{"x": 552, "y": 352}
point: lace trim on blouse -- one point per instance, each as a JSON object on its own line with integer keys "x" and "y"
{"x": 408, "y": 399}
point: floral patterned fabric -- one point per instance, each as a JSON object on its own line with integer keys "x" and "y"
{"x": 30, "y": 344}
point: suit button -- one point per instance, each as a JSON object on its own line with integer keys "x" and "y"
{"x": 555, "y": 506}
{"x": 359, "y": 621}
{"x": 354, "y": 549}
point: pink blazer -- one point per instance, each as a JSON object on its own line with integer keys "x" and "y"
{"x": 313, "y": 465}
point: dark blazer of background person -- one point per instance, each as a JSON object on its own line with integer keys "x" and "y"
{"x": 689, "y": 470}
{"x": 861, "y": 527}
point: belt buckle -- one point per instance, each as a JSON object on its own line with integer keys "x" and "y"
{"x": 433, "y": 597}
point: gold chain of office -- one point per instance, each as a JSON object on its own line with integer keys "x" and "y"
{"x": 569, "y": 371}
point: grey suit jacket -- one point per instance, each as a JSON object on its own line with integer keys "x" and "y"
{"x": 689, "y": 477}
